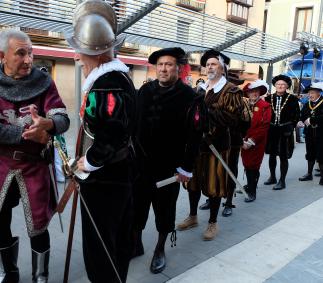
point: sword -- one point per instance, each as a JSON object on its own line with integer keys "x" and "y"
{"x": 166, "y": 182}
{"x": 226, "y": 167}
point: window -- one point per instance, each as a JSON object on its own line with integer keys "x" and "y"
{"x": 237, "y": 13}
{"x": 303, "y": 20}
{"x": 182, "y": 30}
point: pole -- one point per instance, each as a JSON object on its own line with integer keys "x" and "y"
{"x": 77, "y": 99}
{"x": 269, "y": 75}
{"x": 301, "y": 75}
{"x": 318, "y": 33}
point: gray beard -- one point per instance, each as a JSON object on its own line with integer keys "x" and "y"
{"x": 211, "y": 76}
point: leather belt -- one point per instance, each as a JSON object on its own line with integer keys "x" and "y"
{"x": 20, "y": 155}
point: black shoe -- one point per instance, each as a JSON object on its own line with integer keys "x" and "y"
{"x": 205, "y": 206}
{"x": 271, "y": 180}
{"x": 306, "y": 177}
{"x": 317, "y": 174}
{"x": 279, "y": 186}
{"x": 250, "y": 198}
{"x": 321, "y": 181}
{"x": 227, "y": 211}
{"x": 158, "y": 263}
{"x": 317, "y": 169}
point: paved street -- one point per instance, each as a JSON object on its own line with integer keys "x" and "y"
{"x": 278, "y": 238}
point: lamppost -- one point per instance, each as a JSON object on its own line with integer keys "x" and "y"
{"x": 303, "y": 50}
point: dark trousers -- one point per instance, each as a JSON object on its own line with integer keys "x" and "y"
{"x": 112, "y": 211}
{"x": 163, "y": 201}
{"x": 39, "y": 243}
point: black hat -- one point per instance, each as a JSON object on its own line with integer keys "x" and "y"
{"x": 282, "y": 78}
{"x": 234, "y": 78}
{"x": 175, "y": 52}
{"x": 214, "y": 54}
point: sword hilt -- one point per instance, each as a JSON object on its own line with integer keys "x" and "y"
{"x": 65, "y": 160}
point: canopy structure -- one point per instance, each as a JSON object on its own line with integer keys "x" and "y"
{"x": 154, "y": 23}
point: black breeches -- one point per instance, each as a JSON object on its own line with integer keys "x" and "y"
{"x": 283, "y": 166}
{"x": 194, "y": 198}
{"x": 163, "y": 201}
{"x": 112, "y": 211}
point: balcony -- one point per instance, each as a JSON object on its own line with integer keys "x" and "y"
{"x": 195, "y": 5}
{"x": 245, "y": 3}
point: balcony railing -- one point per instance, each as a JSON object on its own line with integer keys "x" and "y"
{"x": 246, "y": 3}
{"x": 194, "y": 5}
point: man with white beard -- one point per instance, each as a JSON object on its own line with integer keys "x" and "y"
{"x": 225, "y": 105}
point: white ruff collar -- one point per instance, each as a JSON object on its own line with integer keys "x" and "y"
{"x": 114, "y": 65}
{"x": 217, "y": 87}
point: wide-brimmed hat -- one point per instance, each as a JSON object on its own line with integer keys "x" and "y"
{"x": 259, "y": 84}
{"x": 214, "y": 54}
{"x": 175, "y": 52}
{"x": 314, "y": 86}
{"x": 282, "y": 78}
{"x": 94, "y": 28}
{"x": 234, "y": 78}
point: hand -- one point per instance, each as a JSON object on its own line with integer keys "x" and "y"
{"x": 37, "y": 132}
{"x": 300, "y": 124}
{"x": 182, "y": 178}
{"x": 80, "y": 164}
{"x": 307, "y": 122}
{"x": 246, "y": 145}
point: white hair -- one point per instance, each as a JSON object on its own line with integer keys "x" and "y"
{"x": 7, "y": 34}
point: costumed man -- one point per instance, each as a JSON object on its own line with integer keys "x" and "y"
{"x": 107, "y": 114}
{"x": 236, "y": 134}
{"x": 225, "y": 105}
{"x": 284, "y": 117}
{"x": 170, "y": 129}
{"x": 31, "y": 113}
{"x": 311, "y": 120}
{"x": 253, "y": 148}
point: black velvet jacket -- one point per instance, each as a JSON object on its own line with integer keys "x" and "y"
{"x": 170, "y": 128}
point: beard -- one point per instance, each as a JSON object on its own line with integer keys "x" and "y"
{"x": 211, "y": 76}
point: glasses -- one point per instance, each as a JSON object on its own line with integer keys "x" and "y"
{"x": 281, "y": 84}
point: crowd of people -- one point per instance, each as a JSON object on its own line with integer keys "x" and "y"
{"x": 129, "y": 140}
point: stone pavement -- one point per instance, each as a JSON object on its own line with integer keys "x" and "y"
{"x": 245, "y": 232}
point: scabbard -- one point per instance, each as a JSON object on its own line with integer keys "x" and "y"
{"x": 71, "y": 187}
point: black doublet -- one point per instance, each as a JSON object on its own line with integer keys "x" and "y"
{"x": 314, "y": 132}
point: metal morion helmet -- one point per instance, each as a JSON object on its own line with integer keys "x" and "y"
{"x": 94, "y": 28}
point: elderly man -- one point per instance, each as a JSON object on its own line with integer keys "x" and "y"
{"x": 107, "y": 121}
{"x": 312, "y": 120}
{"x": 284, "y": 117}
{"x": 31, "y": 112}
{"x": 225, "y": 104}
{"x": 170, "y": 129}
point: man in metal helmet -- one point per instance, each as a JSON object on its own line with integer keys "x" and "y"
{"x": 107, "y": 116}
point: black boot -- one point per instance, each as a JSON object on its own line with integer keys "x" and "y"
{"x": 158, "y": 262}
{"x": 272, "y": 168}
{"x": 227, "y": 211}
{"x": 280, "y": 185}
{"x": 138, "y": 247}
{"x": 9, "y": 272}
{"x": 205, "y": 206}
{"x": 40, "y": 266}
{"x": 309, "y": 175}
{"x": 252, "y": 179}
{"x": 306, "y": 177}
{"x": 271, "y": 180}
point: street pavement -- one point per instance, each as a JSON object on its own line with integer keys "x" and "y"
{"x": 277, "y": 238}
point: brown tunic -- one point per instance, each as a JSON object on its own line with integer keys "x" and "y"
{"x": 225, "y": 109}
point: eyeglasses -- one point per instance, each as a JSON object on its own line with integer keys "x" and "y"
{"x": 281, "y": 84}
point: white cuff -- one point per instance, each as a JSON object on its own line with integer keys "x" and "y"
{"x": 88, "y": 166}
{"x": 251, "y": 141}
{"x": 183, "y": 172}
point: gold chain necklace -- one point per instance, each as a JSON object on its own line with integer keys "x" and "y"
{"x": 313, "y": 108}
{"x": 281, "y": 108}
